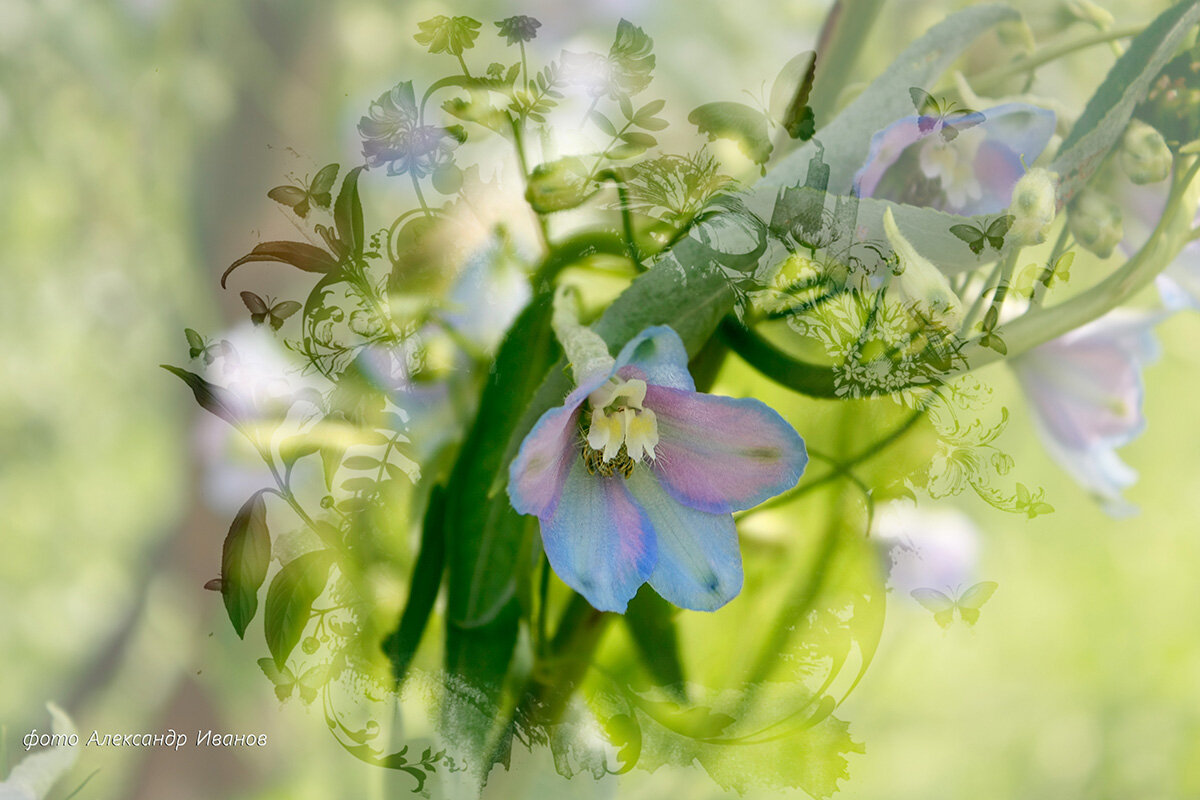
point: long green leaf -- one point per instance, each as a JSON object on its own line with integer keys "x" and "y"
{"x": 212, "y": 398}
{"x": 401, "y": 644}
{"x": 1108, "y": 112}
{"x": 301, "y": 255}
{"x": 348, "y": 214}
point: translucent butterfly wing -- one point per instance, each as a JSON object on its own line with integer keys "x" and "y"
{"x": 290, "y": 196}
{"x": 284, "y": 679}
{"x": 955, "y": 122}
{"x": 281, "y": 311}
{"x": 257, "y": 306}
{"x": 997, "y": 230}
{"x": 974, "y": 237}
{"x": 973, "y": 599}
{"x": 936, "y": 602}
{"x": 321, "y": 189}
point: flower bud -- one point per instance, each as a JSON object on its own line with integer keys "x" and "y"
{"x": 1095, "y": 222}
{"x": 1033, "y": 207}
{"x": 1144, "y": 154}
{"x": 921, "y": 284}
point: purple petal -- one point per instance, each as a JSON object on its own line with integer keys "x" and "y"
{"x": 1086, "y": 386}
{"x": 886, "y": 147}
{"x": 1085, "y": 389}
{"x": 598, "y": 540}
{"x": 538, "y": 473}
{"x": 656, "y": 355}
{"x": 699, "y": 563}
{"x": 1012, "y": 132}
{"x": 721, "y": 454}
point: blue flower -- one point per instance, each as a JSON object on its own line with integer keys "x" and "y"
{"x": 635, "y": 477}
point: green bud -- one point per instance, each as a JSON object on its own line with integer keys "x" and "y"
{"x": 1033, "y": 207}
{"x": 559, "y": 185}
{"x": 586, "y": 352}
{"x": 1144, "y": 154}
{"x": 1095, "y": 222}
{"x": 921, "y": 284}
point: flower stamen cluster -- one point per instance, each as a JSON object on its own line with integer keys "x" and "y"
{"x": 621, "y": 432}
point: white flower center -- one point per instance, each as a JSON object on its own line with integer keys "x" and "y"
{"x": 619, "y": 421}
{"x": 954, "y": 163}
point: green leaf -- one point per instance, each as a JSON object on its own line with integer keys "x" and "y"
{"x": 626, "y": 735}
{"x": 244, "y": 560}
{"x": 625, "y": 150}
{"x": 348, "y": 214}
{"x": 642, "y": 139}
{"x": 631, "y": 58}
{"x": 483, "y": 532}
{"x": 289, "y": 601}
{"x": 648, "y": 112}
{"x": 331, "y": 460}
{"x": 301, "y": 255}
{"x": 602, "y": 122}
{"x": 652, "y": 628}
{"x": 453, "y": 35}
{"x": 401, "y": 645}
{"x": 361, "y": 462}
{"x": 212, "y": 398}
{"x": 358, "y": 485}
{"x": 448, "y": 178}
{"x": 1108, "y": 111}
{"x": 626, "y": 106}
{"x": 737, "y": 122}
{"x": 559, "y": 185}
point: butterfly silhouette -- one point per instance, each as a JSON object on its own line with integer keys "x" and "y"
{"x": 300, "y": 199}
{"x": 198, "y": 347}
{"x": 261, "y": 310}
{"x": 968, "y": 603}
{"x": 977, "y": 237}
{"x": 286, "y": 681}
{"x": 934, "y": 114}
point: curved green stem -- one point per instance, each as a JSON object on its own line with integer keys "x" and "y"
{"x": 998, "y": 75}
{"x": 420, "y": 195}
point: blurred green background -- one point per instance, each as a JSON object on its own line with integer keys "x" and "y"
{"x": 137, "y": 139}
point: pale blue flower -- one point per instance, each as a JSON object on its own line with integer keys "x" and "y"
{"x": 635, "y": 477}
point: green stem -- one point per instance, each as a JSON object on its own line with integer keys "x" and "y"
{"x": 394, "y": 256}
{"x": 991, "y": 78}
{"x": 803, "y": 597}
{"x": 1043, "y": 324}
{"x": 626, "y": 219}
{"x": 518, "y": 133}
{"x": 524, "y": 66}
{"x": 420, "y": 195}
{"x": 1040, "y": 288}
{"x": 868, "y": 453}
{"x": 462, "y": 63}
{"x": 972, "y": 314}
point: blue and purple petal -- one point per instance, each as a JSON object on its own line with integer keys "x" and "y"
{"x": 598, "y": 540}
{"x": 722, "y": 454}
